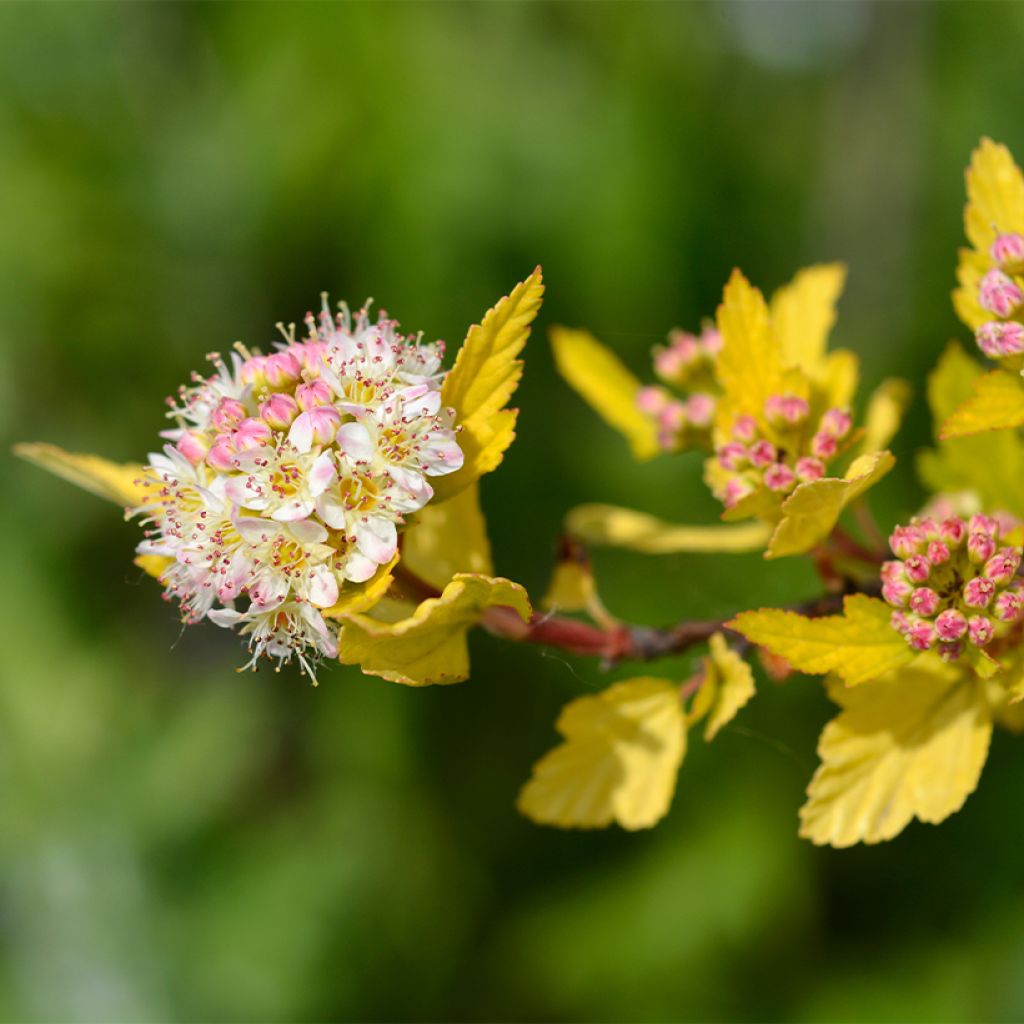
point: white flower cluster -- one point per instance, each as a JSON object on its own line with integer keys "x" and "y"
{"x": 290, "y": 474}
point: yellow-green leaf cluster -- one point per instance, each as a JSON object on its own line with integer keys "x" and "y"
{"x": 909, "y": 745}
{"x": 858, "y": 645}
{"x": 618, "y": 763}
{"x": 727, "y": 687}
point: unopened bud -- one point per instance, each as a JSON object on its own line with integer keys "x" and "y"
{"x": 907, "y": 540}
{"x": 824, "y": 446}
{"x": 836, "y": 422}
{"x": 921, "y": 635}
{"x": 281, "y": 369}
{"x": 979, "y": 592}
{"x": 251, "y": 433}
{"x": 279, "y": 410}
{"x": 1000, "y": 338}
{"x": 736, "y": 490}
{"x": 651, "y": 400}
{"x": 222, "y": 455}
{"x": 711, "y": 340}
{"x": 228, "y": 414}
{"x": 951, "y": 625}
{"x": 193, "y": 446}
{"x": 924, "y": 601}
{"x": 900, "y": 622}
{"x": 1008, "y": 606}
{"x": 763, "y": 454}
{"x": 917, "y": 568}
{"x": 981, "y": 523}
{"x": 733, "y": 456}
{"x": 980, "y": 547}
{"x": 953, "y": 531}
{"x": 312, "y": 394}
{"x": 951, "y": 651}
{"x": 786, "y": 410}
{"x": 700, "y": 409}
{"x": 999, "y": 293}
{"x": 1008, "y": 248}
{"x": 937, "y": 553}
{"x": 744, "y": 429}
{"x": 892, "y": 571}
{"x": 897, "y": 592}
{"x": 779, "y": 477}
{"x": 809, "y": 468}
{"x": 980, "y": 630}
{"x": 1002, "y": 566}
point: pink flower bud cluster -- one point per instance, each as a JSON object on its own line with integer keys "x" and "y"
{"x": 796, "y": 452}
{"x": 1001, "y": 293}
{"x": 289, "y": 475}
{"x": 686, "y": 364}
{"x": 952, "y": 585}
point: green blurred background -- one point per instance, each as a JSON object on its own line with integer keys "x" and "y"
{"x": 182, "y": 842}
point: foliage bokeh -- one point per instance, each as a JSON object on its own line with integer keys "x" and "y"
{"x": 184, "y": 842}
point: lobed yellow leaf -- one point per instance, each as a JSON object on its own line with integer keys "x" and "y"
{"x": 117, "y": 482}
{"x": 997, "y": 403}
{"x": 995, "y": 195}
{"x": 858, "y": 645}
{"x": 803, "y": 314}
{"x": 619, "y": 761}
{"x": 428, "y": 646}
{"x": 600, "y": 377}
{"x": 910, "y": 745}
{"x": 750, "y": 365}
{"x": 971, "y": 267}
{"x": 812, "y": 510}
{"x": 612, "y": 526}
{"x": 838, "y": 378}
{"x": 888, "y": 403}
{"x": 448, "y": 538}
{"x": 734, "y": 685}
{"x": 571, "y": 588}
{"x": 486, "y": 373}
{"x": 361, "y": 597}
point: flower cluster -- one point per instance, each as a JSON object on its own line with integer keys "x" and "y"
{"x": 687, "y": 365}
{"x": 288, "y": 476}
{"x": 953, "y": 584}
{"x": 797, "y": 451}
{"x": 1001, "y": 293}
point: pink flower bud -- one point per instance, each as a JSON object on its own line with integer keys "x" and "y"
{"x": 315, "y": 426}
{"x": 907, "y": 540}
{"x": 744, "y": 429}
{"x": 1008, "y": 606}
{"x": 953, "y": 531}
{"x": 222, "y": 455}
{"x": 980, "y": 547}
{"x": 999, "y": 293}
{"x": 667, "y": 363}
{"x": 900, "y": 622}
{"x": 824, "y": 446}
{"x": 686, "y": 346}
{"x": 228, "y": 414}
{"x": 1002, "y": 566}
{"x": 711, "y": 339}
{"x": 928, "y": 527}
{"x": 279, "y": 410}
{"x": 937, "y": 553}
{"x": 651, "y": 400}
{"x": 809, "y": 468}
{"x": 1008, "y": 248}
{"x": 836, "y": 422}
{"x": 763, "y": 453}
{"x": 779, "y": 477}
{"x": 981, "y": 523}
{"x": 924, "y": 601}
{"x": 672, "y": 418}
{"x": 951, "y": 625}
{"x": 1005, "y": 522}
{"x": 1000, "y": 338}
{"x": 736, "y": 490}
{"x": 980, "y": 630}
{"x": 193, "y": 446}
{"x": 786, "y": 410}
{"x": 892, "y": 571}
{"x": 251, "y": 371}
{"x": 312, "y": 394}
{"x": 917, "y": 568}
{"x": 733, "y": 456}
{"x": 700, "y": 409}
{"x": 281, "y": 369}
{"x": 897, "y": 592}
{"x": 979, "y": 592}
{"x": 251, "y": 433}
{"x": 951, "y": 651}
{"x": 921, "y": 635}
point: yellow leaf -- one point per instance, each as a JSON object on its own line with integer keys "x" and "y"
{"x": 803, "y": 314}
{"x": 572, "y": 587}
{"x": 996, "y": 404}
{"x": 734, "y": 685}
{"x": 951, "y": 382}
{"x": 619, "y": 761}
{"x": 750, "y": 366}
{"x": 430, "y": 645}
{"x": 858, "y": 645}
{"x": 153, "y": 565}
{"x": 886, "y": 407}
{"x": 995, "y": 195}
{"x": 622, "y": 527}
{"x": 599, "y": 376}
{"x": 120, "y": 483}
{"x": 970, "y": 269}
{"x": 911, "y": 745}
{"x": 838, "y": 378}
{"x": 361, "y": 597}
{"x": 448, "y": 538}
{"x": 486, "y": 373}
{"x": 811, "y": 511}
